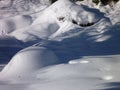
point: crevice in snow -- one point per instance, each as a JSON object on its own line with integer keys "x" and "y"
{"x": 82, "y": 25}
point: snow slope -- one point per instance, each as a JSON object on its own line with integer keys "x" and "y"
{"x": 88, "y": 73}
{"x": 52, "y": 20}
{"x": 10, "y": 8}
{"x": 8, "y": 25}
{"x": 31, "y": 59}
{"x": 66, "y": 46}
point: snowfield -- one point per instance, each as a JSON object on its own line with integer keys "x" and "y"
{"x": 61, "y": 46}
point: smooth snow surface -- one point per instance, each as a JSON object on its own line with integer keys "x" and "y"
{"x": 28, "y": 61}
{"x": 101, "y": 72}
{"x": 63, "y": 46}
{"x": 8, "y": 25}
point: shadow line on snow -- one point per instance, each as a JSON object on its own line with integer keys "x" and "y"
{"x": 112, "y": 86}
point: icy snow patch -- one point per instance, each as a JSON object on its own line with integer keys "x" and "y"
{"x": 108, "y": 77}
{"x": 77, "y": 62}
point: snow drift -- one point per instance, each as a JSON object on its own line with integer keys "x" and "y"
{"x": 52, "y": 20}
{"x": 8, "y": 25}
{"x": 76, "y": 37}
{"x": 28, "y": 61}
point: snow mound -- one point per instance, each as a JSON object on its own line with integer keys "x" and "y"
{"x": 8, "y": 25}
{"x": 28, "y": 61}
{"x": 51, "y": 22}
{"x": 72, "y": 11}
{"x": 80, "y": 36}
{"x": 35, "y": 32}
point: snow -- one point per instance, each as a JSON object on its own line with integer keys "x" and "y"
{"x": 4, "y": 4}
{"x": 10, "y": 24}
{"x": 49, "y": 25}
{"x": 68, "y": 77}
{"x": 63, "y": 46}
{"x": 31, "y": 59}
{"x": 87, "y": 3}
{"x": 10, "y": 8}
{"x": 76, "y": 61}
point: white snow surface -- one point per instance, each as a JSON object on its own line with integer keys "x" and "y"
{"x": 97, "y": 74}
{"x": 51, "y": 20}
{"x": 31, "y": 59}
{"x": 8, "y": 25}
{"x": 63, "y": 46}
{"x": 10, "y": 8}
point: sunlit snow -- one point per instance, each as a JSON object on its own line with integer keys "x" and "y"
{"x": 66, "y": 45}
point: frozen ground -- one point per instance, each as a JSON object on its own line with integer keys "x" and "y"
{"x": 63, "y": 46}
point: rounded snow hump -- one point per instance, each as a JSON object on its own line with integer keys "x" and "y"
{"x": 28, "y": 61}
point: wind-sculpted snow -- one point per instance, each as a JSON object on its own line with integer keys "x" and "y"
{"x": 72, "y": 11}
{"x": 99, "y": 73}
{"x": 10, "y": 8}
{"x": 8, "y": 25}
{"x": 66, "y": 46}
{"x": 52, "y": 20}
{"x": 54, "y": 25}
{"x": 28, "y": 61}
{"x": 35, "y": 32}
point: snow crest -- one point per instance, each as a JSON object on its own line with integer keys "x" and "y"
{"x": 28, "y": 61}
